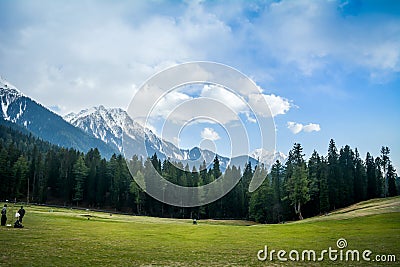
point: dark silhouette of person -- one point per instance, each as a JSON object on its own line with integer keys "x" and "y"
{"x": 18, "y": 224}
{"x": 4, "y": 215}
{"x": 21, "y": 212}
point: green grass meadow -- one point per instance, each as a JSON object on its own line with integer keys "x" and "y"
{"x": 64, "y": 237}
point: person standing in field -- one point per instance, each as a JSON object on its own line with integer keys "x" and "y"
{"x": 4, "y": 215}
{"x": 21, "y": 212}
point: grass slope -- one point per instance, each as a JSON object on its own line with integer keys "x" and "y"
{"x": 62, "y": 237}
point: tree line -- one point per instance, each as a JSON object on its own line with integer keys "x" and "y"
{"x": 302, "y": 188}
{"x": 32, "y": 170}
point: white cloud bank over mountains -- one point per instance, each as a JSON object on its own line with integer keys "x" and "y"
{"x": 171, "y": 107}
{"x": 122, "y": 43}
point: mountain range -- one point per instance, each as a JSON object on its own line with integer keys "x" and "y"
{"x": 105, "y": 128}
{"x": 114, "y": 124}
{"x": 18, "y": 109}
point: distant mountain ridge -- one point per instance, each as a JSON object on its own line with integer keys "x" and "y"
{"x": 113, "y": 124}
{"x": 268, "y": 157}
{"x": 105, "y": 128}
{"x": 21, "y": 110}
{"x": 108, "y": 124}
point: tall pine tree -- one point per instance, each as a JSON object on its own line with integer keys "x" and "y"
{"x": 391, "y": 177}
{"x": 333, "y": 174}
{"x": 372, "y": 181}
{"x": 80, "y": 171}
{"x": 297, "y": 183}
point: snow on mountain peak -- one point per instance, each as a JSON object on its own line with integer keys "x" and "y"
{"x": 4, "y": 84}
{"x": 8, "y": 95}
{"x": 267, "y": 157}
{"x": 106, "y": 124}
{"x": 69, "y": 117}
{"x": 111, "y": 125}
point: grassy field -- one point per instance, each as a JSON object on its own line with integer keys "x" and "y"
{"x": 63, "y": 237}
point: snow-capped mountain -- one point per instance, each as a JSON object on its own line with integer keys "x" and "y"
{"x": 18, "y": 109}
{"x": 104, "y": 128}
{"x": 111, "y": 125}
{"x": 101, "y": 123}
{"x": 268, "y": 157}
{"x": 13, "y": 102}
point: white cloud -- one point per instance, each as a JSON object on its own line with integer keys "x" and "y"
{"x": 225, "y": 96}
{"x": 166, "y": 105}
{"x": 96, "y": 56}
{"x": 213, "y": 102}
{"x": 119, "y": 46}
{"x": 179, "y": 108}
{"x": 277, "y": 104}
{"x": 210, "y": 134}
{"x": 311, "y": 36}
{"x": 296, "y": 128}
{"x": 311, "y": 127}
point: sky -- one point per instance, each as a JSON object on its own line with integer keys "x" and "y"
{"x": 327, "y": 69}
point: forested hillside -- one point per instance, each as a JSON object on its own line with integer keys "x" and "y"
{"x": 36, "y": 171}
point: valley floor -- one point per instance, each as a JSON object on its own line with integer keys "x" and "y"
{"x": 63, "y": 237}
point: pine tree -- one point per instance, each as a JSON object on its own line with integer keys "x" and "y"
{"x": 297, "y": 183}
{"x": 346, "y": 177}
{"x": 20, "y": 172}
{"x": 391, "y": 177}
{"x": 92, "y": 160}
{"x": 384, "y": 163}
{"x": 80, "y": 172}
{"x": 42, "y": 183}
{"x": 216, "y": 168}
{"x": 246, "y": 178}
{"x": 195, "y": 178}
{"x": 372, "y": 182}
{"x": 323, "y": 187}
{"x": 101, "y": 184}
{"x": 5, "y": 174}
{"x": 379, "y": 177}
{"x": 398, "y": 184}
{"x": 297, "y": 189}
{"x": 277, "y": 176}
{"x": 360, "y": 179}
{"x": 194, "y": 182}
{"x": 151, "y": 178}
{"x": 156, "y": 163}
{"x": 32, "y": 173}
{"x": 136, "y": 192}
{"x": 52, "y": 170}
{"x": 333, "y": 175}
{"x": 314, "y": 174}
{"x": 260, "y": 208}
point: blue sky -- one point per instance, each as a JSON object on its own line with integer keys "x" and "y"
{"x": 335, "y": 63}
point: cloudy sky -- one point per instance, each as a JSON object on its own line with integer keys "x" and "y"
{"x": 328, "y": 69}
